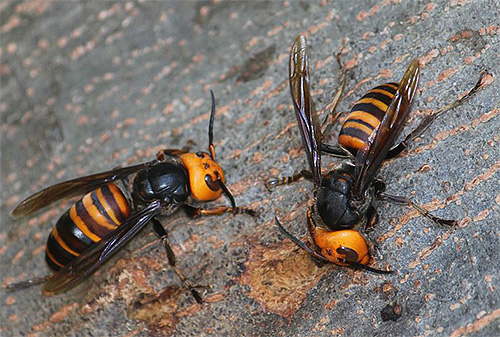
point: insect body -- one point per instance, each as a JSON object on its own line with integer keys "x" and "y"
{"x": 344, "y": 196}
{"x": 103, "y": 220}
{"x": 365, "y": 117}
{"x": 90, "y": 219}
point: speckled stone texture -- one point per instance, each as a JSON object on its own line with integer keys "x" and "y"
{"x": 87, "y": 86}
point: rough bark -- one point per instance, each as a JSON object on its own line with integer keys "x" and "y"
{"x": 87, "y": 86}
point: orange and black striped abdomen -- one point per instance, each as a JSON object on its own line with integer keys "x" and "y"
{"x": 92, "y": 217}
{"x": 365, "y": 117}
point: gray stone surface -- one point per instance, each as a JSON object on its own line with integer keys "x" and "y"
{"x": 87, "y": 86}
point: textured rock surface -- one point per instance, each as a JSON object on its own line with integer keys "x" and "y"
{"x": 87, "y": 86}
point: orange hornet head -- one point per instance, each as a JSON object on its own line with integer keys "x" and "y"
{"x": 206, "y": 178}
{"x": 203, "y": 173}
{"x": 343, "y": 247}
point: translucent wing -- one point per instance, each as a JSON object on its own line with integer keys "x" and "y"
{"x": 371, "y": 156}
{"x": 71, "y": 188}
{"x": 100, "y": 252}
{"x": 304, "y": 106}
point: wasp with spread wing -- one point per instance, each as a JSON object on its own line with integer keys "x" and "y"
{"x": 345, "y": 195}
{"x": 104, "y": 220}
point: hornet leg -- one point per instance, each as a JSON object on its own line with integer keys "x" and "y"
{"x": 196, "y": 211}
{"x": 311, "y": 227}
{"x": 371, "y": 214}
{"x": 325, "y": 126}
{"x": 395, "y": 151}
{"x": 371, "y": 218}
{"x": 162, "y": 234}
{"x": 407, "y": 201}
{"x": 27, "y": 283}
{"x": 335, "y": 151}
{"x": 275, "y": 181}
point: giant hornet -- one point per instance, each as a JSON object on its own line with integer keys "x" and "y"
{"x": 345, "y": 195}
{"x": 104, "y": 220}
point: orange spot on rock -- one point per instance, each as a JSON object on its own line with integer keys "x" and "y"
{"x": 352, "y": 62}
{"x": 63, "y": 313}
{"x": 361, "y": 16}
{"x": 446, "y": 73}
{"x": 385, "y": 73}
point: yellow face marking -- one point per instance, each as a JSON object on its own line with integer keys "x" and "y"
{"x": 81, "y": 225}
{"x": 94, "y": 213}
{"x": 62, "y": 243}
{"x": 379, "y": 104}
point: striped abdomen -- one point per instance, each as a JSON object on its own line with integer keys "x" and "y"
{"x": 365, "y": 117}
{"x": 92, "y": 217}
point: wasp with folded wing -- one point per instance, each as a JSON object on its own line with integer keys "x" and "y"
{"x": 345, "y": 195}
{"x": 104, "y": 220}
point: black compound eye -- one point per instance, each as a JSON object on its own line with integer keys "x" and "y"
{"x": 200, "y": 154}
{"x": 350, "y": 255}
{"x": 213, "y": 185}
